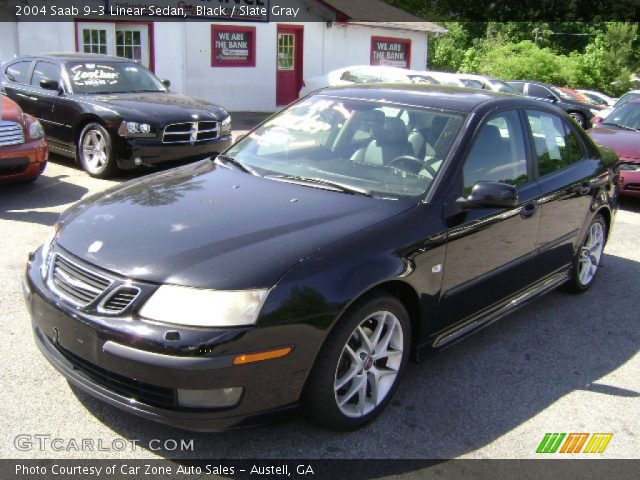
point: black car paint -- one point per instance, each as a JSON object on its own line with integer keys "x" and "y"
{"x": 326, "y": 250}
{"x": 63, "y": 114}
{"x": 567, "y": 105}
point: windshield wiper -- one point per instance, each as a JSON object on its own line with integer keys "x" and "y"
{"x": 624, "y": 127}
{"x": 327, "y": 184}
{"x": 236, "y": 163}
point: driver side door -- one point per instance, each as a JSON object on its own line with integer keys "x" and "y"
{"x": 490, "y": 251}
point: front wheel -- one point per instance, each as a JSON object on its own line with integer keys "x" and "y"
{"x": 95, "y": 151}
{"x": 587, "y": 260}
{"x": 360, "y": 365}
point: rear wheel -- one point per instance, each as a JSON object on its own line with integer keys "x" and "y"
{"x": 95, "y": 151}
{"x": 587, "y": 260}
{"x": 359, "y": 367}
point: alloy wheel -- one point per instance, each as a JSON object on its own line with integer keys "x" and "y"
{"x": 590, "y": 254}
{"x": 94, "y": 151}
{"x": 369, "y": 364}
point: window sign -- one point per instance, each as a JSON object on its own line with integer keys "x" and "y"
{"x": 233, "y": 46}
{"x": 390, "y": 52}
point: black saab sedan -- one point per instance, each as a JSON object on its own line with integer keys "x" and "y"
{"x": 307, "y": 264}
{"x": 109, "y": 113}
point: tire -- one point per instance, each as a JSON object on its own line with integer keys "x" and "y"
{"x": 587, "y": 260}
{"x": 95, "y": 151}
{"x": 332, "y": 397}
{"x": 579, "y": 118}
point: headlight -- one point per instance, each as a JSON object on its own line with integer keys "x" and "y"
{"x": 135, "y": 129}
{"x": 225, "y": 125}
{"x": 35, "y": 130}
{"x": 204, "y": 308}
{"x": 46, "y": 249}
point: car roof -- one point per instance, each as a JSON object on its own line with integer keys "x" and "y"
{"x": 434, "y": 96}
{"x": 74, "y": 57}
{"x": 548, "y": 85}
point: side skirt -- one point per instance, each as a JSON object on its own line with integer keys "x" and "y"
{"x": 474, "y": 324}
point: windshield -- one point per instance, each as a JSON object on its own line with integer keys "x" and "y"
{"x": 627, "y": 116}
{"x": 112, "y": 77}
{"x": 625, "y": 98}
{"x": 385, "y": 150}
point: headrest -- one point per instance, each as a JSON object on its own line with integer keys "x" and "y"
{"x": 489, "y": 135}
{"x": 394, "y": 131}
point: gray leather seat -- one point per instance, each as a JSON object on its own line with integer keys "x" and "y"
{"x": 388, "y": 142}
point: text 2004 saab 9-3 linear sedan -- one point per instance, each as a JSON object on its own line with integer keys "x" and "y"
{"x": 308, "y": 263}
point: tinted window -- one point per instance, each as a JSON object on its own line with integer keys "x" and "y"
{"x": 625, "y": 98}
{"x": 17, "y": 72}
{"x": 556, "y": 144}
{"x": 538, "y": 91}
{"x": 498, "y": 153}
{"x": 519, "y": 86}
{"x": 45, "y": 71}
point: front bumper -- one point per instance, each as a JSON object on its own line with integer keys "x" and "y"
{"x": 629, "y": 183}
{"x": 127, "y": 362}
{"x": 151, "y": 152}
{"x": 23, "y": 162}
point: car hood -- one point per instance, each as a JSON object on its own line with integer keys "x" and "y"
{"x": 9, "y": 110}
{"x": 157, "y": 106}
{"x": 625, "y": 143}
{"x": 208, "y": 226}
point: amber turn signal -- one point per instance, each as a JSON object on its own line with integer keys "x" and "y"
{"x": 260, "y": 356}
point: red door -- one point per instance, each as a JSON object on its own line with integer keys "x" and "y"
{"x": 288, "y": 64}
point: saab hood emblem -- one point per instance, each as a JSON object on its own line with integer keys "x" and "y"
{"x": 95, "y": 246}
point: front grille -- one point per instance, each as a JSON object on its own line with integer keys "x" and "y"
{"x": 76, "y": 283}
{"x": 10, "y": 133}
{"x": 190, "y": 132}
{"x": 630, "y": 167}
{"x": 119, "y": 300}
{"x": 141, "y": 392}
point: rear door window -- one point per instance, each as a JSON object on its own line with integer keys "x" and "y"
{"x": 556, "y": 145}
{"x": 17, "y": 72}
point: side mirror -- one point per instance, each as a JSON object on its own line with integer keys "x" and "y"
{"x": 166, "y": 83}
{"x": 49, "y": 84}
{"x": 489, "y": 194}
{"x": 552, "y": 97}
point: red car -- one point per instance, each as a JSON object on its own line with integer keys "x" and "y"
{"x": 23, "y": 150}
{"x": 620, "y": 132}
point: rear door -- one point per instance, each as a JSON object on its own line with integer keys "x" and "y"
{"x": 490, "y": 250}
{"x": 45, "y": 101}
{"x": 564, "y": 177}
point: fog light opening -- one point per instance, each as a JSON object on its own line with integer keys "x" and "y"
{"x": 137, "y": 161}
{"x": 211, "y": 398}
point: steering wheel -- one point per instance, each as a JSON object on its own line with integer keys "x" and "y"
{"x": 408, "y": 163}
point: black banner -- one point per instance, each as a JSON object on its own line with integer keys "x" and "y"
{"x": 122, "y": 469}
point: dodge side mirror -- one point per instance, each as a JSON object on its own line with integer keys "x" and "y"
{"x": 166, "y": 83}
{"x": 488, "y": 195}
{"x": 48, "y": 84}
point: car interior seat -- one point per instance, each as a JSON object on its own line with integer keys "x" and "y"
{"x": 389, "y": 141}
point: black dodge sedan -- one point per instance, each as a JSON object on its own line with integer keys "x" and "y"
{"x": 306, "y": 265}
{"x": 109, "y": 113}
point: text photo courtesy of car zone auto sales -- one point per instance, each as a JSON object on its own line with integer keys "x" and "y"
{"x": 318, "y": 238}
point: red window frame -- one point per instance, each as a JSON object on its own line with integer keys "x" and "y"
{"x": 403, "y": 41}
{"x": 250, "y": 62}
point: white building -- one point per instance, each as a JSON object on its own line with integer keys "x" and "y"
{"x": 244, "y": 66}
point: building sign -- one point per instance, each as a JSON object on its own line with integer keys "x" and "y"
{"x": 391, "y": 52}
{"x": 233, "y": 46}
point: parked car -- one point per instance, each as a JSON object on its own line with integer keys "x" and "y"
{"x": 360, "y": 74}
{"x": 483, "y": 82}
{"x": 312, "y": 259}
{"x": 604, "y": 113}
{"x": 580, "y": 112}
{"x": 577, "y": 96}
{"x": 444, "y": 78}
{"x": 598, "y": 97}
{"x": 621, "y": 133}
{"x": 109, "y": 113}
{"x": 23, "y": 150}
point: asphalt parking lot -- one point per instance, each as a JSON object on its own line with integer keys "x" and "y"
{"x": 561, "y": 364}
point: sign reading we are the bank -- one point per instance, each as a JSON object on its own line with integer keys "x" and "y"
{"x": 391, "y": 52}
